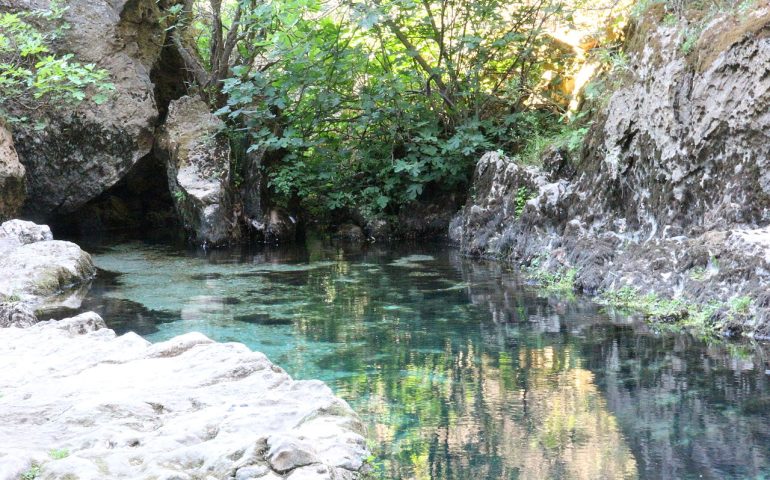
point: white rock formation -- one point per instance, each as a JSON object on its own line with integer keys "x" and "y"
{"x": 77, "y": 402}
{"x": 36, "y": 269}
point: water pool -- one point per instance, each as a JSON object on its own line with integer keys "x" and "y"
{"x": 458, "y": 369}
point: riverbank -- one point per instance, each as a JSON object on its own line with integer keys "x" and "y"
{"x": 94, "y": 405}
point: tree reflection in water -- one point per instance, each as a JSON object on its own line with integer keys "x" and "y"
{"x": 459, "y": 370}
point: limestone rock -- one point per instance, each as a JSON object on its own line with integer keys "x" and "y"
{"x": 277, "y": 227}
{"x": 198, "y": 163}
{"x": 121, "y": 410}
{"x": 13, "y": 190}
{"x": 83, "y": 151}
{"x": 16, "y": 314}
{"x": 15, "y": 233}
{"x": 39, "y": 270}
{"x": 35, "y": 269}
{"x": 379, "y": 229}
{"x": 672, "y": 193}
{"x": 78, "y": 325}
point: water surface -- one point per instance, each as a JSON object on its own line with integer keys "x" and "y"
{"x": 459, "y": 370}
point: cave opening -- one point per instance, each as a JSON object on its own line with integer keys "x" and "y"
{"x": 140, "y": 202}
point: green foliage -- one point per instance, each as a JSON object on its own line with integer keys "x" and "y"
{"x": 567, "y": 137}
{"x": 366, "y": 105}
{"x": 740, "y": 305}
{"x": 58, "y": 454}
{"x": 522, "y": 196}
{"x": 32, "y": 74}
{"x": 559, "y": 281}
{"x": 690, "y": 40}
{"x": 32, "y": 473}
{"x": 180, "y": 195}
{"x": 677, "y": 311}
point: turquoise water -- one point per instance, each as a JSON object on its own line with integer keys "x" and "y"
{"x": 459, "y": 370}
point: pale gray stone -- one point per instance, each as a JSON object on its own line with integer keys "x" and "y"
{"x": 197, "y": 156}
{"x": 123, "y": 411}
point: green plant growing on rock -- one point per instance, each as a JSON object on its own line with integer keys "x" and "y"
{"x": 58, "y": 454}
{"x": 32, "y": 473}
{"x": 12, "y": 298}
{"x": 691, "y": 37}
{"x": 675, "y": 312}
{"x": 740, "y": 305}
{"x": 552, "y": 281}
{"x": 522, "y": 197}
{"x": 699, "y": 274}
{"x": 32, "y": 74}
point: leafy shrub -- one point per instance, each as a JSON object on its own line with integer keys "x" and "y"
{"x": 31, "y": 74}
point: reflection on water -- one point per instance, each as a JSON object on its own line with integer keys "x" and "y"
{"x": 460, "y": 371}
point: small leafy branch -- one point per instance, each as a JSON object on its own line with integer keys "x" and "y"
{"x": 33, "y": 75}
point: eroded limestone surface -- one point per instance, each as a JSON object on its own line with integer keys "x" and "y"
{"x": 189, "y": 408}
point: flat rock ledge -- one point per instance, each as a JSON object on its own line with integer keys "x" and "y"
{"x": 79, "y": 402}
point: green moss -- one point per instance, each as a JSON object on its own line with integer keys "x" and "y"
{"x": 676, "y": 313}
{"x": 560, "y": 281}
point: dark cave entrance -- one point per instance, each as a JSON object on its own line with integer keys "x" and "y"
{"x": 140, "y": 202}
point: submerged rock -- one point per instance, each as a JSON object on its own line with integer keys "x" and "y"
{"x": 119, "y": 407}
{"x": 197, "y": 158}
{"x": 82, "y": 151}
{"x": 672, "y": 193}
{"x": 13, "y": 189}
{"x": 34, "y": 268}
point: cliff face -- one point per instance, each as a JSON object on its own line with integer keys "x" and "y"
{"x": 672, "y": 191}
{"x": 83, "y": 151}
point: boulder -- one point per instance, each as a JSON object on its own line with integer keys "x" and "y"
{"x": 119, "y": 407}
{"x": 36, "y": 271}
{"x": 12, "y": 176}
{"x": 82, "y": 151}
{"x": 197, "y": 156}
{"x": 34, "y": 268}
{"x": 15, "y": 233}
{"x": 379, "y": 230}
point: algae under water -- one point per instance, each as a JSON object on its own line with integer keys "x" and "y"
{"x": 458, "y": 369}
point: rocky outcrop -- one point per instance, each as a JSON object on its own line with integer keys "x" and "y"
{"x": 79, "y": 402}
{"x": 197, "y": 156}
{"x": 277, "y": 226}
{"x": 672, "y": 192}
{"x": 38, "y": 270}
{"x": 82, "y": 152}
{"x": 12, "y": 176}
